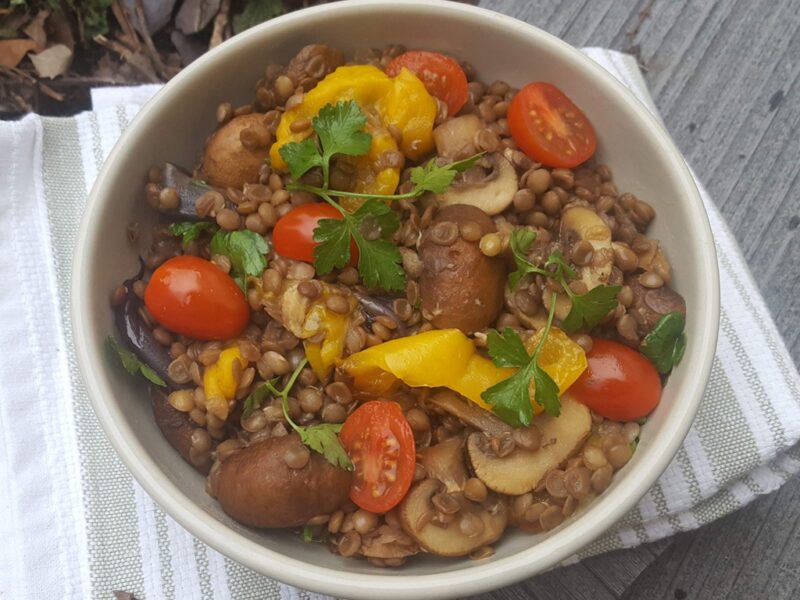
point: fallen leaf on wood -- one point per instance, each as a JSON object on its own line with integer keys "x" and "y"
{"x": 35, "y": 29}
{"x": 52, "y": 62}
{"x": 60, "y": 30}
{"x": 13, "y": 51}
{"x": 157, "y": 13}
{"x": 195, "y": 15}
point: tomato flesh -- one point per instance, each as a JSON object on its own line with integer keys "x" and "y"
{"x": 380, "y": 443}
{"x": 619, "y": 383}
{"x": 194, "y": 297}
{"x": 293, "y": 235}
{"x": 548, "y": 127}
{"x": 442, "y": 76}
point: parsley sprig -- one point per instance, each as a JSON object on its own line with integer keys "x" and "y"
{"x": 666, "y": 343}
{"x": 339, "y": 131}
{"x": 510, "y": 399}
{"x": 320, "y": 438}
{"x": 132, "y": 364}
{"x": 587, "y": 309}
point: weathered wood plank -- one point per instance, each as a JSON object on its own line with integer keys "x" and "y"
{"x": 724, "y": 74}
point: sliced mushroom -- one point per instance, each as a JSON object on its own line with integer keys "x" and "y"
{"x": 471, "y": 526}
{"x": 522, "y": 470}
{"x": 490, "y": 191}
{"x": 649, "y": 305}
{"x": 445, "y": 462}
{"x": 581, "y": 223}
{"x": 454, "y": 138}
{"x": 388, "y": 542}
{"x": 469, "y": 413}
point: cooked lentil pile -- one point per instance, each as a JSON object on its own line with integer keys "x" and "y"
{"x": 399, "y": 309}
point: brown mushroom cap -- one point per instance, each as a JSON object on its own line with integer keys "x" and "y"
{"x": 471, "y": 527}
{"x": 522, "y": 470}
{"x": 460, "y": 286}
{"x": 226, "y": 162}
{"x": 257, "y": 487}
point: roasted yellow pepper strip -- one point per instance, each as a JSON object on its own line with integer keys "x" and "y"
{"x": 219, "y": 383}
{"x": 447, "y": 358}
{"x": 400, "y": 102}
{"x": 322, "y": 356}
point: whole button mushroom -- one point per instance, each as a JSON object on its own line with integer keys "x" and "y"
{"x": 278, "y": 483}
{"x": 227, "y": 161}
{"x": 460, "y": 286}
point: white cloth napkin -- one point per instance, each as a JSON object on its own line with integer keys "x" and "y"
{"x": 75, "y": 525}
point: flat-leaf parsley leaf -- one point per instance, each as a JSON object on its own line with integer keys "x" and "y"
{"x": 510, "y": 399}
{"x": 132, "y": 364}
{"x": 320, "y": 438}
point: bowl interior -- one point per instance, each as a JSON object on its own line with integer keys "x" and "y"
{"x": 173, "y": 127}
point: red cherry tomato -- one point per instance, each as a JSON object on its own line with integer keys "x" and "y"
{"x": 443, "y": 77}
{"x": 549, "y": 128}
{"x": 194, "y": 297}
{"x": 380, "y": 443}
{"x": 619, "y": 383}
{"x": 293, "y": 236}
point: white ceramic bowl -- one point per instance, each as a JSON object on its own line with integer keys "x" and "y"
{"x": 173, "y": 127}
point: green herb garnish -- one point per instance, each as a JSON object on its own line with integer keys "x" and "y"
{"x": 189, "y": 231}
{"x": 339, "y": 130}
{"x": 511, "y": 398}
{"x": 320, "y": 438}
{"x": 587, "y": 309}
{"x": 245, "y": 249}
{"x": 308, "y": 535}
{"x": 131, "y": 362}
{"x": 520, "y": 242}
{"x": 666, "y": 343}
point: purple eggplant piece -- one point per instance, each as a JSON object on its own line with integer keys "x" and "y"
{"x": 189, "y": 190}
{"x": 374, "y": 306}
{"x": 137, "y": 335}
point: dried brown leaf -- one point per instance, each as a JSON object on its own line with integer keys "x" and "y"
{"x": 35, "y": 29}
{"x": 59, "y": 28}
{"x": 52, "y": 62}
{"x": 13, "y": 51}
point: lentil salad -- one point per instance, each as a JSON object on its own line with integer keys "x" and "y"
{"x": 382, "y": 307}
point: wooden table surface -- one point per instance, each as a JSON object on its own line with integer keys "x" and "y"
{"x": 724, "y": 75}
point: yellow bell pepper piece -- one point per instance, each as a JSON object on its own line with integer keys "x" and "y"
{"x": 447, "y": 358}
{"x": 401, "y": 102}
{"x": 322, "y": 356}
{"x": 561, "y": 358}
{"x": 219, "y": 384}
{"x": 367, "y": 180}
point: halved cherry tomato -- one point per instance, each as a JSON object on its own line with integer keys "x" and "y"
{"x": 380, "y": 443}
{"x": 619, "y": 383}
{"x": 293, "y": 235}
{"x": 194, "y": 297}
{"x": 549, "y": 128}
{"x": 443, "y": 77}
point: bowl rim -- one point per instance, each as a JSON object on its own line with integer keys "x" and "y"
{"x": 480, "y": 577}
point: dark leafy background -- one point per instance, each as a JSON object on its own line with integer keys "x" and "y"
{"x": 52, "y": 52}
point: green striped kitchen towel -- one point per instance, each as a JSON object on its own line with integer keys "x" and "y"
{"x": 75, "y": 524}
